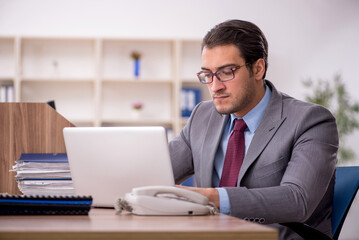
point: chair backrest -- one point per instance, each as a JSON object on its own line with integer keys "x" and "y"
{"x": 346, "y": 187}
{"x": 188, "y": 182}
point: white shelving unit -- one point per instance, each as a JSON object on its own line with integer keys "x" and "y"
{"x": 7, "y": 59}
{"x": 92, "y": 80}
{"x": 7, "y": 68}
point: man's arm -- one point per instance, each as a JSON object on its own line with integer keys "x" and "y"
{"x": 210, "y": 193}
{"x": 306, "y": 153}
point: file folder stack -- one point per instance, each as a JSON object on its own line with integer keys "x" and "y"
{"x": 45, "y": 174}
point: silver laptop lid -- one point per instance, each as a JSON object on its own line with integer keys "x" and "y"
{"x": 107, "y": 162}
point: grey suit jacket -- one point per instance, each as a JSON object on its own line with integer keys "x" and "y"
{"x": 288, "y": 171}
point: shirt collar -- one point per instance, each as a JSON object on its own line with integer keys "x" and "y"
{"x": 254, "y": 116}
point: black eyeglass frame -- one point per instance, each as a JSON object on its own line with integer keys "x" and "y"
{"x": 220, "y": 70}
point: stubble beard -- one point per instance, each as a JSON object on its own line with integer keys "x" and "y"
{"x": 236, "y": 104}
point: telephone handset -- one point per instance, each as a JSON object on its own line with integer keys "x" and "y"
{"x": 165, "y": 200}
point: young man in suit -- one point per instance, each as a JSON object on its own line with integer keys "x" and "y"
{"x": 290, "y": 147}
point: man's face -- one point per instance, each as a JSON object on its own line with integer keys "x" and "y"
{"x": 238, "y": 95}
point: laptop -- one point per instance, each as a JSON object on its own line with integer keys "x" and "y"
{"x": 107, "y": 162}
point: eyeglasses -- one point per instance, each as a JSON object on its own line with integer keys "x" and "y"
{"x": 223, "y": 75}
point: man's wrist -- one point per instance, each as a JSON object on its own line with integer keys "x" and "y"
{"x": 224, "y": 204}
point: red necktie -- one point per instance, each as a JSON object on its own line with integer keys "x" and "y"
{"x": 234, "y": 155}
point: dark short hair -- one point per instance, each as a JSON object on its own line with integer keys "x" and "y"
{"x": 248, "y": 38}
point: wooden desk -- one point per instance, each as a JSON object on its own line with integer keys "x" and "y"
{"x": 105, "y": 224}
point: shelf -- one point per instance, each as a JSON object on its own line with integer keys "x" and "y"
{"x": 191, "y": 59}
{"x": 155, "y": 61}
{"x": 56, "y": 79}
{"x": 7, "y": 58}
{"x": 82, "y": 122}
{"x": 191, "y": 80}
{"x": 137, "y": 80}
{"x": 74, "y": 102}
{"x": 57, "y": 58}
{"x": 118, "y": 99}
{"x": 136, "y": 122}
{"x": 6, "y": 80}
{"x": 92, "y": 80}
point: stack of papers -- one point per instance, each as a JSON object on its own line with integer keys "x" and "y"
{"x": 44, "y": 174}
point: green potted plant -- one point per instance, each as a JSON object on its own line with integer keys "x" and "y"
{"x": 333, "y": 95}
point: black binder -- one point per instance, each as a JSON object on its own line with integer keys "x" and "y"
{"x": 44, "y": 205}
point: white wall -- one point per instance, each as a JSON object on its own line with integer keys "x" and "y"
{"x": 310, "y": 38}
{"x": 307, "y": 38}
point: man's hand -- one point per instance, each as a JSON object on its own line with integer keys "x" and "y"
{"x": 210, "y": 193}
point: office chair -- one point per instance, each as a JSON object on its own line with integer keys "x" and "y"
{"x": 345, "y": 189}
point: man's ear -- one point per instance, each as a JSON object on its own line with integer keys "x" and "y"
{"x": 259, "y": 69}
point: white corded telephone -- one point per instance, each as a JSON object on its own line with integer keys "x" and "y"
{"x": 165, "y": 200}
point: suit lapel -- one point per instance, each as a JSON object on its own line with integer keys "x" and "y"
{"x": 270, "y": 123}
{"x": 210, "y": 146}
{"x": 259, "y": 142}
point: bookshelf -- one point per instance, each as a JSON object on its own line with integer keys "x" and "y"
{"x": 92, "y": 80}
{"x": 7, "y": 68}
{"x": 7, "y": 59}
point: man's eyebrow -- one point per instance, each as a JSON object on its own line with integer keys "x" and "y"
{"x": 207, "y": 69}
{"x": 220, "y": 67}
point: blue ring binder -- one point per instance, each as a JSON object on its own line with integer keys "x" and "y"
{"x": 44, "y": 205}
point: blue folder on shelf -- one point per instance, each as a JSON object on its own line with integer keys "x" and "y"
{"x": 190, "y": 97}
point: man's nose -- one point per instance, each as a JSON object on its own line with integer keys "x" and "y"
{"x": 216, "y": 85}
